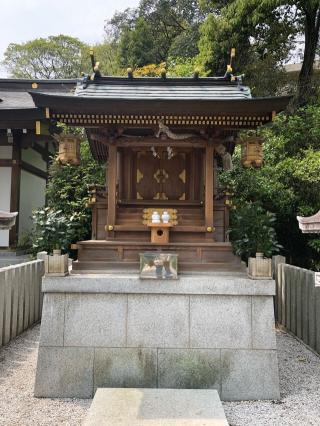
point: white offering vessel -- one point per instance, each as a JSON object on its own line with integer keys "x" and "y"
{"x": 155, "y": 218}
{"x": 165, "y": 217}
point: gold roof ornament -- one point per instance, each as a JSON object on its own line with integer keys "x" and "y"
{"x": 163, "y": 73}
{"x": 230, "y": 65}
{"x": 130, "y": 73}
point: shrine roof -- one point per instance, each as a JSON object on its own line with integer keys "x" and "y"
{"x": 107, "y": 95}
{"x": 151, "y": 88}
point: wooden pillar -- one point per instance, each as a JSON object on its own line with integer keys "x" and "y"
{"x": 15, "y": 189}
{"x": 112, "y": 189}
{"x": 209, "y": 190}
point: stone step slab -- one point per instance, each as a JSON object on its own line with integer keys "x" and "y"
{"x": 156, "y": 407}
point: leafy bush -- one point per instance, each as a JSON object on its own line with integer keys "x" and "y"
{"x": 288, "y": 184}
{"x": 66, "y": 219}
{"x": 252, "y": 231}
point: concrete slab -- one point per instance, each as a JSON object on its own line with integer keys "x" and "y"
{"x": 125, "y": 368}
{"x": 220, "y": 322}
{"x": 64, "y": 373}
{"x": 95, "y": 320}
{"x": 158, "y": 321}
{"x": 156, "y": 407}
{"x": 215, "y": 283}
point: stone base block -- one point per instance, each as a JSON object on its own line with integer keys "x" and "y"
{"x": 207, "y": 332}
{"x": 156, "y": 407}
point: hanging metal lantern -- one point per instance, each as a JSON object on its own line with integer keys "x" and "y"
{"x": 251, "y": 152}
{"x": 69, "y": 149}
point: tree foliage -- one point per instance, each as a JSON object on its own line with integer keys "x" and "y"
{"x": 289, "y": 182}
{"x": 263, "y": 31}
{"x": 156, "y": 30}
{"x": 53, "y": 57}
{"x": 58, "y": 57}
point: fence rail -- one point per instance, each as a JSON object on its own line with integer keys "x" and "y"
{"x": 20, "y": 298}
{"x": 298, "y": 303}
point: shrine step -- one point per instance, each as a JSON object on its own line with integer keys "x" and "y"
{"x": 156, "y": 407}
{"x": 102, "y": 255}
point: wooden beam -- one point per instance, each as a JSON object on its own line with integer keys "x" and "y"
{"x": 15, "y": 190}
{"x": 143, "y": 228}
{"x": 150, "y": 141}
{"x": 33, "y": 170}
{"x": 5, "y": 162}
{"x": 112, "y": 187}
{"x": 209, "y": 190}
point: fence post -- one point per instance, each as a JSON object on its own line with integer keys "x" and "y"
{"x": 21, "y": 270}
{"x": 14, "y": 302}
{"x": 20, "y": 298}
{"x": 7, "y": 305}
{"x": 2, "y": 287}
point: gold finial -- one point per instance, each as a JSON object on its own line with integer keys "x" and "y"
{"x": 91, "y": 51}
{"x": 130, "y": 72}
{"x": 196, "y": 73}
{"x": 232, "y": 56}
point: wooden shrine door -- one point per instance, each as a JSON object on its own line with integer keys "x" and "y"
{"x": 161, "y": 177}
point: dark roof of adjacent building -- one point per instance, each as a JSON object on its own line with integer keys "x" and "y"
{"x": 16, "y": 103}
{"x": 14, "y": 93}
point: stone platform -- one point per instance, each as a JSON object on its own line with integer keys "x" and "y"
{"x": 156, "y": 407}
{"x": 207, "y": 331}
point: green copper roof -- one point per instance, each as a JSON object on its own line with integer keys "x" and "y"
{"x": 157, "y": 89}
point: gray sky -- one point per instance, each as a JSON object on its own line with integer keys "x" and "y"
{"x": 23, "y": 20}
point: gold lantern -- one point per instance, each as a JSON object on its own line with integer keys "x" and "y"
{"x": 251, "y": 152}
{"x": 69, "y": 149}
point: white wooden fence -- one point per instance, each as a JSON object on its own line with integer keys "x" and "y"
{"x": 20, "y": 298}
{"x": 298, "y": 303}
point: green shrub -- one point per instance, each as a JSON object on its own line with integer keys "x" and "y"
{"x": 66, "y": 219}
{"x": 252, "y": 231}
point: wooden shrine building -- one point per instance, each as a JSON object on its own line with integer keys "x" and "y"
{"x": 24, "y": 152}
{"x": 164, "y": 141}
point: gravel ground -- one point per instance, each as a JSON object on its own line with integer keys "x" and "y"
{"x": 18, "y": 407}
{"x": 299, "y": 370}
{"x": 299, "y": 379}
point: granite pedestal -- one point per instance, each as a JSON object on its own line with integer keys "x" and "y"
{"x": 208, "y": 331}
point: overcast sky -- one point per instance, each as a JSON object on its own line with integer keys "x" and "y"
{"x": 23, "y": 20}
